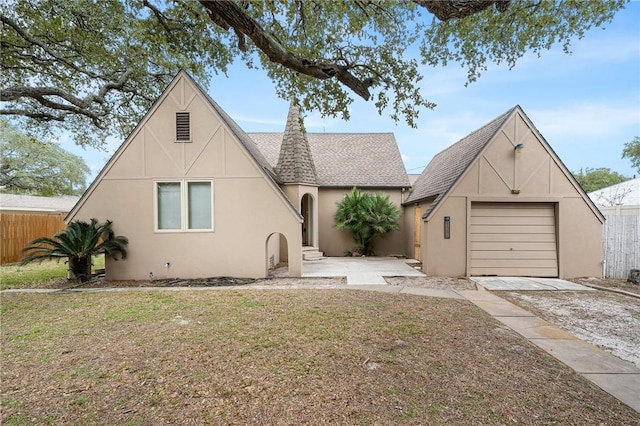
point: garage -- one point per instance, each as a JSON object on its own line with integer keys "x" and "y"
{"x": 513, "y": 239}
{"x": 499, "y": 202}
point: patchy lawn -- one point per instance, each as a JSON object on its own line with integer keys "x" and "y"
{"x": 45, "y": 274}
{"x": 612, "y": 283}
{"x": 279, "y": 357}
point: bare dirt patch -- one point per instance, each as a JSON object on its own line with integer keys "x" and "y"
{"x": 608, "y": 320}
{"x": 444, "y": 283}
{"x": 279, "y": 357}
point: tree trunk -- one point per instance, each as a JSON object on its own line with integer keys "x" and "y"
{"x": 80, "y": 268}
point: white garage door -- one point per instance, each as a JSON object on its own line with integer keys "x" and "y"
{"x": 513, "y": 239}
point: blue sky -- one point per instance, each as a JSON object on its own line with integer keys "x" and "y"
{"x": 586, "y": 104}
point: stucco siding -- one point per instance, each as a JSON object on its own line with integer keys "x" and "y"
{"x": 507, "y": 172}
{"x": 580, "y": 240}
{"x": 247, "y": 206}
{"x": 446, "y": 257}
{"x": 334, "y": 242}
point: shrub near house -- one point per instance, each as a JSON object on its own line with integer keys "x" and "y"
{"x": 367, "y": 216}
{"x": 79, "y": 242}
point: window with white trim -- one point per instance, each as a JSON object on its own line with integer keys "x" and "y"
{"x": 183, "y": 127}
{"x": 184, "y": 205}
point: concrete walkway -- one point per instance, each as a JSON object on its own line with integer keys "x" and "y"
{"x": 359, "y": 270}
{"x": 618, "y": 377}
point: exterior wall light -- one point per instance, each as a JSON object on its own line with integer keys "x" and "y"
{"x": 447, "y": 227}
{"x": 518, "y": 147}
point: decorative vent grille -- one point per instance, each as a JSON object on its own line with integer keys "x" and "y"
{"x": 183, "y": 127}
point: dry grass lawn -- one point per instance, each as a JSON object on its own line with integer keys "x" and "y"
{"x": 285, "y": 357}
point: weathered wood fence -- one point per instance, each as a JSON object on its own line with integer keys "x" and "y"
{"x": 621, "y": 243}
{"x": 18, "y": 230}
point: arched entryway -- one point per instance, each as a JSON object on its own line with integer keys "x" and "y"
{"x": 277, "y": 255}
{"x": 306, "y": 210}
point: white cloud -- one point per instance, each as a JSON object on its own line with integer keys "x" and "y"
{"x": 585, "y": 119}
{"x": 239, "y": 118}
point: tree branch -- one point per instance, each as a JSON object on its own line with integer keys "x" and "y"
{"x": 44, "y": 47}
{"x": 229, "y": 14}
{"x": 445, "y": 10}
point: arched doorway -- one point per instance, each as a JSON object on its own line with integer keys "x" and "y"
{"x": 306, "y": 210}
{"x": 277, "y": 255}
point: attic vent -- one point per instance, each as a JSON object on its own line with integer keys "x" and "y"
{"x": 183, "y": 127}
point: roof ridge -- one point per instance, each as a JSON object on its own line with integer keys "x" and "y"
{"x": 442, "y": 171}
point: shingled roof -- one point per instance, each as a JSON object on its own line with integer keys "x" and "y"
{"x": 295, "y": 164}
{"x": 346, "y": 159}
{"x": 61, "y": 204}
{"x": 448, "y": 165}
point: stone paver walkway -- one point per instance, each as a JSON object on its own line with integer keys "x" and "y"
{"x": 618, "y": 377}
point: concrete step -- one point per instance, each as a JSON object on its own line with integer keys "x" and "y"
{"x": 312, "y": 253}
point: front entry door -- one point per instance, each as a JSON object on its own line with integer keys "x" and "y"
{"x": 416, "y": 233}
{"x": 305, "y": 210}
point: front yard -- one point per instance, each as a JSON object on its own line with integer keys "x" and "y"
{"x": 279, "y": 357}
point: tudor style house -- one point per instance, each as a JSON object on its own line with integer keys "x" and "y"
{"x": 199, "y": 197}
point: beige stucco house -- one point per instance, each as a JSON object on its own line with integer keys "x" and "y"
{"x": 199, "y": 197}
{"x": 500, "y": 202}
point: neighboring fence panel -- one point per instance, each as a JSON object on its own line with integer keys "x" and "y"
{"x": 18, "y": 230}
{"x": 621, "y": 240}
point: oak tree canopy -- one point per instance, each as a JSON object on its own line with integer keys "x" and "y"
{"x": 94, "y": 67}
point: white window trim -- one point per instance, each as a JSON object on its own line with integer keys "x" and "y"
{"x": 184, "y": 206}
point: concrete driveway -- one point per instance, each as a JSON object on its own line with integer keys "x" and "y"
{"x": 527, "y": 283}
{"x": 360, "y": 270}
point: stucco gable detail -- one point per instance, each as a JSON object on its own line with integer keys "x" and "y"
{"x": 515, "y": 162}
{"x": 217, "y": 149}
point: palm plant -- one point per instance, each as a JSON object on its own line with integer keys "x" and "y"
{"x": 78, "y": 242}
{"x": 367, "y": 216}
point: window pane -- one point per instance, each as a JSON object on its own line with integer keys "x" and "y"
{"x": 199, "y": 205}
{"x": 169, "y": 216}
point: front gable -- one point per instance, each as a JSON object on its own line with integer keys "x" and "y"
{"x": 214, "y": 150}
{"x": 532, "y": 170}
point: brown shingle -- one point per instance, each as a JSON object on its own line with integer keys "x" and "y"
{"x": 295, "y": 163}
{"x": 346, "y": 159}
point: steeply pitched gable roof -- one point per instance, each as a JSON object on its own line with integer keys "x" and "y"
{"x": 295, "y": 163}
{"x": 448, "y": 165}
{"x": 240, "y": 134}
{"x": 347, "y": 159}
{"x": 245, "y": 141}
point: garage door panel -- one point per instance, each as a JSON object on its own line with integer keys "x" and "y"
{"x": 548, "y": 238}
{"x": 516, "y": 255}
{"x": 528, "y": 209}
{"x": 522, "y": 272}
{"x": 513, "y": 220}
{"x": 513, "y": 239}
{"x": 514, "y": 263}
{"x": 513, "y": 229}
{"x": 511, "y": 245}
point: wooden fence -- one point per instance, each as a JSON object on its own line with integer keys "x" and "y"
{"x": 621, "y": 241}
{"x": 18, "y": 230}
